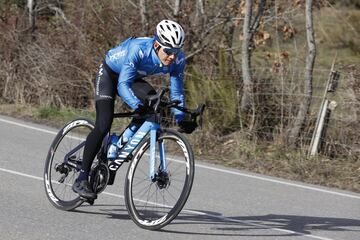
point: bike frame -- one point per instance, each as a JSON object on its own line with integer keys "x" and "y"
{"x": 149, "y": 126}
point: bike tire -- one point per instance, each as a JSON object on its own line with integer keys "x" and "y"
{"x": 161, "y": 213}
{"x": 59, "y": 193}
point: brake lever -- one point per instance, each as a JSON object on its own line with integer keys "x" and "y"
{"x": 201, "y": 109}
{"x": 198, "y": 112}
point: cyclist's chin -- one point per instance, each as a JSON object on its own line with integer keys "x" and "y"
{"x": 167, "y": 62}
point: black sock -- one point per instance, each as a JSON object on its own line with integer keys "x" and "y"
{"x": 83, "y": 176}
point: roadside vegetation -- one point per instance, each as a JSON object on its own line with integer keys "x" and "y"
{"x": 47, "y": 72}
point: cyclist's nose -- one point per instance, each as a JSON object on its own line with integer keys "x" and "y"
{"x": 171, "y": 57}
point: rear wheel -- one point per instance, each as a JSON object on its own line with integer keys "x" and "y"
{"x": 63, "y": 163}
{"x": 152, "y": 204}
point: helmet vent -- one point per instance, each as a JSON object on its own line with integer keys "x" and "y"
{"x": 166, "y": 39}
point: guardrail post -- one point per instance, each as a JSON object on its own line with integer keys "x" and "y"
{"x": 324, "y": 112}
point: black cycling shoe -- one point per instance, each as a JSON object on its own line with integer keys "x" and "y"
{"x": 83, "y": 189}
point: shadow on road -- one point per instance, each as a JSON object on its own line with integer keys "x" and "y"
{"x": 289, "y": 225}
{"x": 215, "y": 224}
{"x": 111, "y": 211}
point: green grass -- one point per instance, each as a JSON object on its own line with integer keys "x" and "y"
{"x": 62, "y": 115}
{"x": 55, "y": 117}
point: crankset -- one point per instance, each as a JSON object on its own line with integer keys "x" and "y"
{"x": 99, "y": 177}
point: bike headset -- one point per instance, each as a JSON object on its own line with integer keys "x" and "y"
{"x": 170, "y": 35}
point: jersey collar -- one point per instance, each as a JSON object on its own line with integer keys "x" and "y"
{"x": 154, "y": 57}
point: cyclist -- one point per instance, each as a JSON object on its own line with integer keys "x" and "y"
{"x": 121, "y": 73}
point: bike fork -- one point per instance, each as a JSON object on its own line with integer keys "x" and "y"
{"x": 152, "y": 162}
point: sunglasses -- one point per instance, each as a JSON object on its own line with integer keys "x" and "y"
{"x": 171, "y": 51}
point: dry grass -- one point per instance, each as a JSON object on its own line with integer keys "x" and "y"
{"x": 276, "y": 160}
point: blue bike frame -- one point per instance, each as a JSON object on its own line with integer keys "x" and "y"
{"x": 148, "y": 126}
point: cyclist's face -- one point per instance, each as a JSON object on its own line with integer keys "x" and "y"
{"x": 165, "y": 58}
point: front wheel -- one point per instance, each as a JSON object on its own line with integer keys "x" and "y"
{"x": 63, "y": 163}
{"x": 154, "y": 203}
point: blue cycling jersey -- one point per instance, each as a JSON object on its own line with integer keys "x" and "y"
{"x": 136, "y": 58}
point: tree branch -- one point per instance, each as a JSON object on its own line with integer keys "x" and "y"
{"x": 133, "y": 4}
{"x": 256, "y": 22}
{"x": 191, "y": 55}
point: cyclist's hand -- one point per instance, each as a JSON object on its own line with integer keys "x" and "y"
{"x": 179, "y": 116}
{"x": 187, "y": 126}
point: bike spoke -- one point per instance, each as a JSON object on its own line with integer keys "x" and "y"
{"x": 61, "y": 193}
{"x": 154, "y": 202}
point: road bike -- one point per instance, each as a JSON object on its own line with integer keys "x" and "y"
{"x": 160, "y": 173}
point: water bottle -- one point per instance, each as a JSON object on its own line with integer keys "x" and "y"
{"x": 113, "y": 149}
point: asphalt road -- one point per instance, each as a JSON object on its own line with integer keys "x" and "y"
{"x": 224, "y": 203}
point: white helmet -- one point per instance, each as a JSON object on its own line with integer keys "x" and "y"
{"x": 170, "y": 34}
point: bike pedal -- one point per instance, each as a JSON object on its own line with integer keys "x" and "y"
{"x": 89, "y": 201}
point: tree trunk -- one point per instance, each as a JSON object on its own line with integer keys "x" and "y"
{"x": 177, "y": 8}
{"x": 247, "y": 100}
{"x": 200, "y": 16}
{"x": 250, "y": 27}
{"x": 144, "y": 20}
{"x": 310, "y": 60}
{"x": 31, "y": 7}
{"x": 228, "y": 31}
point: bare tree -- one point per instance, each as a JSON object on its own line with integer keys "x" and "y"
{"x": 310, "y": 60}
{"x": 228, "y": 32}
{"x": 177, "y": 8}
{"x": 250, "y": 27}
{"x": 247, "y": 100}
{"x": 31, "y": 8}
{"x": 202, "y": 28}
{"x": 200, "y": 13}
{"x": 144, "y": 19}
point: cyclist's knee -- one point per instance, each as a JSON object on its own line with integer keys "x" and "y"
{"x": 103, "y": 125}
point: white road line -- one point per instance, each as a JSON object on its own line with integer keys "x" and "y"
{"x": 21, "y": 174}
{"x": 27, "y": 126}
{"x": 280, "y": 182}
{"x": 218, "y": 169}
{"x": 273, "y": 180}
{"x": 223, "y": 218}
